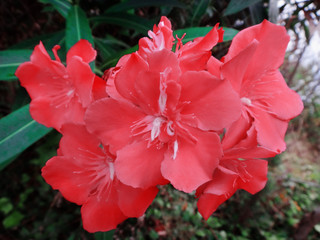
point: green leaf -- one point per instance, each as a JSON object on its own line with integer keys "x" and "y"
{"x": 17, "y": 132}
{"x": 237, "y": 5}
{"x": 112, "y": 61}
{"x": 62, "y": 6}
{"x": 10, "y": 60}
{"x": 133, "y": 4}
{"x": 198, "y": 10}
{"x": 104, "y": 235}
{"x": 257, "y": 12}
{"x": 105, "y": 48}
{"x": 201, "y": 233}
{"x": 192, "y": 33}
{"x": 48, "y": 40}
{"x": 5, "y": 205}
{"x": 125, "y": 20}
{"x": 77, "y": 27}
{"x": 13, "y": 219}
{"x": 229, "y": 33}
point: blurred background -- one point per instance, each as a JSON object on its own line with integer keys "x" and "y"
{"x": 289, "y": 206}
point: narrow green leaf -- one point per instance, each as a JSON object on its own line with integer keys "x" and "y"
{"x": 104, "y": 235}
{"x": 48, "y": 40}
{"x": 237, "y": 5}
{"x": 17, "y": 132}
{"x": 192, "y": 33}
{"x": 198, "y": 11}
{"x": 105, "y": 49}
{"x": 77, "y": 27}
{"x": 10, "y": 60}
{"x": 112, "y": 61}
{"x": 133, "y": 4}
{"x": 125, "y": 20}
{"x": 258, "y": 12}
{"x": 229, "y": 33}
{"x": 62, "y": 6}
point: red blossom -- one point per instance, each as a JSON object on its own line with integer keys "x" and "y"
{"x": 59, "y": 94}
{"x": 84, "y": 173}
{"x": 162, "y": 116}
{"x": 251, "y": 66}
{"x": 231, "y": 175}
{"x": 159, "y": 118}
{"x": 239, "y": 168}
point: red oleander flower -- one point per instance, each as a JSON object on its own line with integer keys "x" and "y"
{"x": 194, "y": 55}
{"x": 161, "y": 119}
{"x": 229, "y": 176}
{"x": 240, "y": 168}
{"x": 162, "y": 116}
{"x": 251, "y": 66}
{"x": 59, "y": 94}
{"x": 84, "y": 173}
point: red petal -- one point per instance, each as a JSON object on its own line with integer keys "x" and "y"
{"x": 82, "y": 49}
{"x": 133, "y": 202}
{"x": 82, "y": 77}
{"x": 163, "y": 60}
{"x": 273, "y": 41}
{"x": 102, "y": 213}
{"x": 44, "y": 112}
{"x": 112, "y": 121}
{"x": 138, "y": 165}
{"x": 40, "y": 56}
{"x": 110, "y": 87}
{"x": 235, "y": 69}
{"x": 258, "y": 169}
{"x": 69, "y": 177}
{"x": 223, "y": 182}
{"x": 77, "y": 142}
{"x": 42, "y": 80}
{"x": 195, "y": 62}
{"x": 147, "y": 88}
{"x": 125, "y": 79}
{"x": 270, "y": 131}
{"x": 218, "y": 190}
{"x": 236, "y": 132}
{"x": 99, "y": 88}
{"x": 247, "y": 147}
{"x": 208, "y": 204}
{"x": 161, "y": 38}
{"x": 193, "y": 56}
{"x": 194, "y": 163}
{"x": 273, "y": 91}
{"x": 173, "y": 95}
{"x": 214, "y": 67}
{"x": 213, "y": 102}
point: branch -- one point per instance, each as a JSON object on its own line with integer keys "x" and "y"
{"x": 306, "y": 224}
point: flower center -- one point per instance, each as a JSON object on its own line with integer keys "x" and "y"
{"x": 246, "y": 101}
{"x": 158, "y": 126}
{"x": 63, "y": 91}
{"x": 111, "y": 170}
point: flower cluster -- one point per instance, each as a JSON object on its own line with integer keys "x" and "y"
{"x": 160, "y": 116}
